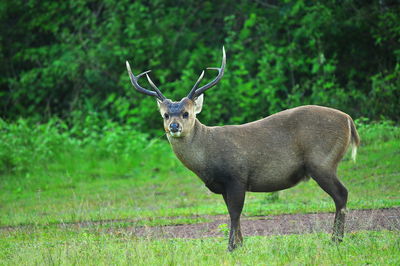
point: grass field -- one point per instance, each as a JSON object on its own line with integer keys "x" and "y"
{"x": 64, "y": 247}
{"x": 146, "y": 185}
{"x": 80, "y": 187}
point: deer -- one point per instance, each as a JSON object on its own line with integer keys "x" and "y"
{"x": 267, "y": 155}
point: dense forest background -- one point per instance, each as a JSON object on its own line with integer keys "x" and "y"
{"x": 66, "y": 59}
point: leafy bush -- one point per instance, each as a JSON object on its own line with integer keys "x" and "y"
{"x": 37, "y": 157}
{"x": 376, "y": 132}
{"x": 27, "y": 146}
{"x": 24, "y": 145}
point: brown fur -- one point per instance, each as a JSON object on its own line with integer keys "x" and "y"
{"x": 267, "y": 155}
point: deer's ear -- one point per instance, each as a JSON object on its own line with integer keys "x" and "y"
{"x": 159, "y": 107}
{"x": 158, "y": 103}
{"x": 198, "y": 102}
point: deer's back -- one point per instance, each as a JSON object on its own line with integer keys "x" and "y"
{"x": 274, "y": 153}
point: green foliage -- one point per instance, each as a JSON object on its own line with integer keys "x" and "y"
{"x": 24, "y": 145}
{"x": 67, "y": 58}
{"x": 373, "y": 132}
{"x": 89, "y": 149}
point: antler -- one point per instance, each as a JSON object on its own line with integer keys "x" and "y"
{"x": 195, "y": 92}
{"x": 134, "y": 79}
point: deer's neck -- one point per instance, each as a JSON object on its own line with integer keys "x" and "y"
{"x": 190, "y": 149}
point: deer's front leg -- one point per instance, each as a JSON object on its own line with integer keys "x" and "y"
{"x": 234, "y": 198}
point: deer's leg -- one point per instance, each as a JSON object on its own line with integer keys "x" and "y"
{"x": 331, "y": 185}
{"x": 234, "y": 198}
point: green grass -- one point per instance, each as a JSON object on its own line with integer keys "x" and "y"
{"x": 83, "y": 184}
{"x": 71, "y": 247}
{"x": 119, "y": 184}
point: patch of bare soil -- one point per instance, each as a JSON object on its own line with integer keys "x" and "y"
{"x": 356, "y": 220}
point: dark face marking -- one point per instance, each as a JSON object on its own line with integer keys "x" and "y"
{"x": 176, "y": 108}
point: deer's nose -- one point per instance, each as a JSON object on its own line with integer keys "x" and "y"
{"x": 174, "y": 127}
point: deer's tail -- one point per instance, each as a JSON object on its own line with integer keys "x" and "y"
{"x": 354, "y": 139}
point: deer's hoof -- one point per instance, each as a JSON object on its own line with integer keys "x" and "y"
{"x": 232, "y": 247}
{"x": 337, "y": 239}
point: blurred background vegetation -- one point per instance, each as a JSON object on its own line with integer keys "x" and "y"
{"x": 67, "y": 59}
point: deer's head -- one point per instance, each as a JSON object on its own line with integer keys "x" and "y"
{"x": 179, "y": 117}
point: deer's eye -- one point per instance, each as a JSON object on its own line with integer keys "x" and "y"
{"x": 166, "y": 116}
{"x": 185, "y": 115}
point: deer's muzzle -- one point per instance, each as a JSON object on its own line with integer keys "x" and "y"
{"x": 174, "y": 128}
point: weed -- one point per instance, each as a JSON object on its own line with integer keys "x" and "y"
{"x": 224, "y": 228}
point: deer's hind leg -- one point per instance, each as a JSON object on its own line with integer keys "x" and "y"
{"x": 328, "y": 181}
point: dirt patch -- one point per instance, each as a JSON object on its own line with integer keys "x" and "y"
{"x": 356, "y": 220}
